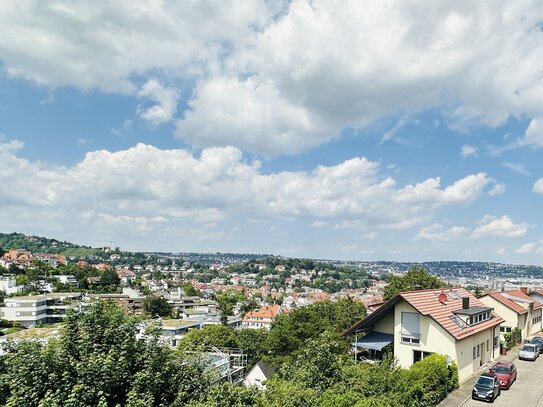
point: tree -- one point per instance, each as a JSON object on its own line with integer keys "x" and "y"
{"x": 98, "y": 361}
{"x": 416, "y": 278}
{"x": 290, "y": 331}
{"x": 156, "y": 306}
{"x": 190, "y": 291}
{"x": 477, "y": 292}
{"x": 110, "y": 278}
{"x": 211, "y": 335}
{"x": 227, "y": 299}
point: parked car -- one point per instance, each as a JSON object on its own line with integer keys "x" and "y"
{"x": 529, "y": 351}
{"x": 539, "y": 341}
{"x": 506, "y": 372}
{"x": 487, "y": 387}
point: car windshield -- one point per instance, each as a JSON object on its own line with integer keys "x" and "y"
{"x": 528, "y": 348}
{"x": 485, "y": 381}
{"x": 500, "y": 369}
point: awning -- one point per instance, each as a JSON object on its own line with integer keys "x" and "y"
{"x": 374, "y": 340}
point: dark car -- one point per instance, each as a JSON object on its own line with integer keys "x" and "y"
{"x": 487, "y": 387}
{"x": 506, "y": 372}
{"x": 538, "y": 340}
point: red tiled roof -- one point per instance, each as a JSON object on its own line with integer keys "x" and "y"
{"x": 427, "y": 303}
{"x": 508, "y": 303}
{"x": 525, "y": 297}
{"x": 267, "y": 311}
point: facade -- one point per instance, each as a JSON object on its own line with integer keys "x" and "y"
{"x": 258, "y": 375}
{"x": 37, "y": 309}
{"x": 415, "y": 324}
{"x": 263, "y": 317}
{"x": 173, "y": 330}
{"x": 8, "y": 284}
{"x": 518, "y": 310}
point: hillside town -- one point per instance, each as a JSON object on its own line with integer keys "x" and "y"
{"x": 472, "y": 320}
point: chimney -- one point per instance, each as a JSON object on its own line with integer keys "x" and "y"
{"x": 465, "y": 303}
{"x": 524, "y": 290}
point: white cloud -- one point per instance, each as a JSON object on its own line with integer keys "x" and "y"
{"x": 497, "y": 189}
{"x": 527, "y": 248}
{"x": 175, "y": 192}
{"x": 264, "y": 87}
{"x": 165, "y": 100}
{"x": 467, "y": 150}
{"x": 517, "y": 167}
{"x": 437, "y": 235}
{"x": 103, "y": 44}
{"x": 491, "y": 226}
{"x": 533, "y": 135}
{"x": 538, "y": 186}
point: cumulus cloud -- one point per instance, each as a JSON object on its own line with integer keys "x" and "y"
{"x": 165, "y": 100}
{"x": 436, "y": 234}
{"x": 538, "y": 186}
{"x": 148, "y": 190}
{"x": 467, "y": 150}
{"x": 491, "y": 226}
{"x": 261, "y": 85}
{"x": 497, "y": 189}
{"x": 533, "y": 135}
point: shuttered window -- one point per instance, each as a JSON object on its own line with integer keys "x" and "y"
{"x": 411, "y": 325}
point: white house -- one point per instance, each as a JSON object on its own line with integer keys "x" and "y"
{"x": 258, "y": 375}
{"x": 415, "y": 324}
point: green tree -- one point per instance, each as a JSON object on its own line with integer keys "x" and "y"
{"x": 190, "y": 291}
{"x": 98, "y": 361}
{"x": 110, "y": 278}
{"x": 229, "y": 395}
{"x": 154, "y": 306}
{"x": 290, "y": 331}
{"x": 416, "y": 278}
{"x": 210, "y": 335}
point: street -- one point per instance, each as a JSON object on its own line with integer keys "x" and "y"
{"x": 527, "y": 391}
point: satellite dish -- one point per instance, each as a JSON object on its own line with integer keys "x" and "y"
{"x": 442, "y": 297}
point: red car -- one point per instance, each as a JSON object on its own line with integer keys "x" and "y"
{"x": 506, "y": 372}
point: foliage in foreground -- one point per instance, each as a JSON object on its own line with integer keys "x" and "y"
{"x": 416, "y": 278}
{"x": 98, "y": 361}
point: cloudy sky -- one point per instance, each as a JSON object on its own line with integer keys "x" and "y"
{"x": 394, "y": 130}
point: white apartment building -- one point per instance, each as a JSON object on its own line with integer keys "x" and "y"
{"x": 37, "y": 309}
{"x": 8, "y": 284}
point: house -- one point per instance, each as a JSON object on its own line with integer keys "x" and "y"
{"x": 415, "y": 324}
{"x": 518, "y": 309}
{"x": 8, "y": 284}
{"x": 38, "y": 309}
{"x": 258, "y": 375}
{"x": 263, "y": 317}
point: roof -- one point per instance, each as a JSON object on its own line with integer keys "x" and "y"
{"x": 267, "y": 370}
{"x": 519, "y": 309}
{"x": 426, "y": 302}
{"x": 472, "y": 310}
{"x": 374, "y": 340}
{"x": 267, "y": 312}
{"x": 523, "y": 297}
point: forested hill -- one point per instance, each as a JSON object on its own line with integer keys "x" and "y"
{"x": 37, "y": 244}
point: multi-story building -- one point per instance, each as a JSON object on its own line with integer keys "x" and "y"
{"x": 263, "y": 317}
{"x": 518, "y": 309}
{"x": 38, "y": 309}
{"x": 8, "y": 284}
{"x": 415, "y": 324}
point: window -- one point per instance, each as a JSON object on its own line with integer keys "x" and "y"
{"x": 410, "y": 327}
{"x": 478, "y": 350}
{"x": 496, "y": 341}
{"x": 474, "y": 353}
{"x": 487, "y": 345}
{"x": 505, "y": 329}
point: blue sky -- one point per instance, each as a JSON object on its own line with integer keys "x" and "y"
{"x": 326, "y": 130}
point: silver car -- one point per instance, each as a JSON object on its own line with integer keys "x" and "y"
{"x": 528, "y": 351}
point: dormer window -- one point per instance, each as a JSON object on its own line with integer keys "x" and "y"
{"x": 478, "y": 318}
{"x": 474, "y": 315}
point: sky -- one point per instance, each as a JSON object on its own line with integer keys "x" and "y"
{"x": 377, "y": 130}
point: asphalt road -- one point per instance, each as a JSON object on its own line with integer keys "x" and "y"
{"x": 527, "y": 391}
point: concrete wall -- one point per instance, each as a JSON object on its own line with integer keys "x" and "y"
{"x": 464, "y": 352}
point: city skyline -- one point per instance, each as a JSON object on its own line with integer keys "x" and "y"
{"x": 293, "y": 128}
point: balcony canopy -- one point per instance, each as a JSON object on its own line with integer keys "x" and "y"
{"x": 374, "y": 340}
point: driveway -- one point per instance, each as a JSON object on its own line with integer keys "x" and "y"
{"x": 527, "y": 391}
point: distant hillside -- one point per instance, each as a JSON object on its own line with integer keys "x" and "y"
{"x": 37, "y": 244}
